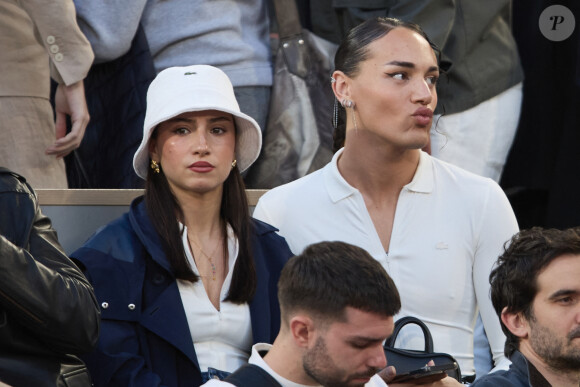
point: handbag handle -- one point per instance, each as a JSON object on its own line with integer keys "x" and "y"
{"x": 400, "y": 323}
{"x": 287, "y": 17}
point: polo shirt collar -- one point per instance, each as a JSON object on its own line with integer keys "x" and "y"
{"x": 423, "y": 180}
{"x": 338, "y": 188}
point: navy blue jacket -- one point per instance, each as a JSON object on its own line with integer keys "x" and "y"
{"x": 145, "y": 338}
{"x": 521, "y": 374}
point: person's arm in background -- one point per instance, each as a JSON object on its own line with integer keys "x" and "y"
{"x": 109, "y": 25}
{"x": 69, "y": 101}
{"x": 40, "y": 287}
{"x": 498, "y": 224}
{"x": 71, "y": 57}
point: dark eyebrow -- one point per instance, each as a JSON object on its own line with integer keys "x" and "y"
{"x": 366, "y": 339}
{"x": 401, "y": 64}
{"x": 563, "y": 292}
{"x": 410, "y": 65}
{"x": 220, "y": 118}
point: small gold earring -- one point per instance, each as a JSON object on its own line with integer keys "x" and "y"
{"x": 155, "y": 166}
{"x": 234, "y": 163}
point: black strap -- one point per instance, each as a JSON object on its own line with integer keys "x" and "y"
{"x": 251, "y": 375}
{"x": 287, "y": 17}
{"x": 411, "y": 320}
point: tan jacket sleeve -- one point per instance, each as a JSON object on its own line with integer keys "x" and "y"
{"x": 70, "y": 52}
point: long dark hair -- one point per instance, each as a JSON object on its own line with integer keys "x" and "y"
{"x": 165, "y": 212}
{"x": 354, "y": 49}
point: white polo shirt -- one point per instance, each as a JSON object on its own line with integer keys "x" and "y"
{"x": 449, "y": 228}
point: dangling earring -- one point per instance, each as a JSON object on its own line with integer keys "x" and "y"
{"x": 155, "y": 166}
{"x": 348, "y": 104}
{"x": 234, "y": 163}
{"x": 335, "y": 115}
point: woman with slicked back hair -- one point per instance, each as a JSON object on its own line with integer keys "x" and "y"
{"x": 435, "y": 228}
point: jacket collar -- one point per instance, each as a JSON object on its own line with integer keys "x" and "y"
{"x": 338, "y": 188}
{"x": 146, "y": 233}
{"x": 168, "y": 304}
{"x": 165, "y": 316}
{"x": 522, "y": 366}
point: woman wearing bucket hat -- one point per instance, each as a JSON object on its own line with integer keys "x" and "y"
{"x": 186, "y": 279}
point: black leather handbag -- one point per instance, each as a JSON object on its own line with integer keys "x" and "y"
{"x": 406, "y": 360}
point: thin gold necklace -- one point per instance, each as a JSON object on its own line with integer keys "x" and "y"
{"x": 209, "y": 258}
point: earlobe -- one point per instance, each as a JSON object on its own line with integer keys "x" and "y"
{"x": 516, "y": 323}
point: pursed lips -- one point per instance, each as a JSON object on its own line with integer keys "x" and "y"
{"x": 423, "y": 116}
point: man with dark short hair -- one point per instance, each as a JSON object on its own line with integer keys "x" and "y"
{"x": 535, "y": 290}
{"x": 337, "y": 306}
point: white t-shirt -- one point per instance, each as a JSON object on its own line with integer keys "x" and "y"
{"x": 449, "y": 228}
{"x": 222, "y": 338}
{"x": 256, "y": 359}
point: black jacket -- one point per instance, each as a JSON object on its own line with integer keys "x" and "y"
{"x": 48, "y": 311}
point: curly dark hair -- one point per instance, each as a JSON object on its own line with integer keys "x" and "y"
{"x": 514, "y": 279}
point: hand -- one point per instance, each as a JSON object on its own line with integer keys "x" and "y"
{"x": 439, "y": 380}
{"x": 389, "y": 373}
{"x": 69, "y": 101}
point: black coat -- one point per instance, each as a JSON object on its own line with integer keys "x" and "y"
{"x": 48, "y": 311}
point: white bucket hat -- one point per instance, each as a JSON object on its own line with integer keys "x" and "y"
{"x": 178, "y": 90}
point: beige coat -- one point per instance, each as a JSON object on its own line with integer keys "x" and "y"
{"x": 38, "y": 39}
{"x": 31, "y": 32}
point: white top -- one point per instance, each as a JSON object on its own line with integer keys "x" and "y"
{"x": 256, "y": 359}
{"x": 222, "y": 338}
{"x": 449, "y": 228}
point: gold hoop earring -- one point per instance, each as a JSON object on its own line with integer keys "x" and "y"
{"x": 234, "y": 163}
{"x": 155, "y": 166}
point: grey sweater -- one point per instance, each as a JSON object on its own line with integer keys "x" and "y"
{"x": 230, "y": 34}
